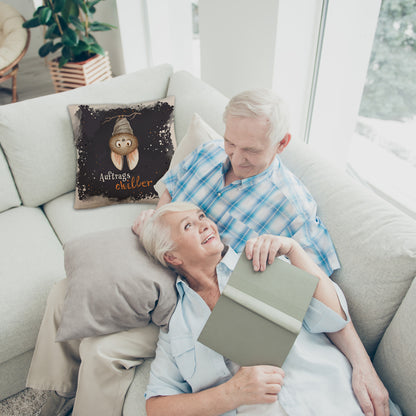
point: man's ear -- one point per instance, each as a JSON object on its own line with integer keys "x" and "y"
{"x": 283, "y": 143}
{"x": 170, "y": 258}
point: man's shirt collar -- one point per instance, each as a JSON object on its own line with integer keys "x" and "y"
{"x": 252, "y": 180}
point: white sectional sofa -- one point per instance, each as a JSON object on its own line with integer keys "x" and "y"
{"x": 376, "y": 243}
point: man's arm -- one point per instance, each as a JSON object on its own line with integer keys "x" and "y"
{"x": 164, "y": 199}
{"x": 144, "y": 215}
{"x": 368, "y": 388}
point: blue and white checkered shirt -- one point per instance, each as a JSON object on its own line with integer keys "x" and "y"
{"x": 272, "y": 202}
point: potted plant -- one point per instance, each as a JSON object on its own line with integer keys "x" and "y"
{"x": 68, "y": 29}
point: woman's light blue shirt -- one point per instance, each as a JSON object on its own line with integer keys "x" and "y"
{"x": 317, "y": 375}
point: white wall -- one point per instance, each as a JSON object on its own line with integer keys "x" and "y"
{"x": 296, "y": 41}
{"x": 263, "y": 44}
{"x": 170, "y": 33}
{"x": 238, "y": 43}
{"x": 133, "y": 28}
{"x": 111, "y": 40}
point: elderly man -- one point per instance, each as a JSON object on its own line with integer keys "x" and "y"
{"x": 242, "y": 185}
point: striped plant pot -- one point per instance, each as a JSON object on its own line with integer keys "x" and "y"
{"x": 78, "y": 74}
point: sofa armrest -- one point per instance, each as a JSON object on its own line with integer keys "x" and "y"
{"x": 394, "y": 358}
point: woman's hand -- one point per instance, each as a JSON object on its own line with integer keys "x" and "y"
{"x": 255, "y": 385}
{"x": 141, "y": 219}
{"x": 264, "y": 249}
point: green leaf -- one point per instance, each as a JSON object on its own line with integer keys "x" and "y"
{"x": 62, "y": 61}
{"x": 96, "y": 48}
{"x": 58, "y": 5}
{"x": 91, "y": 6}
{"x": 34, "y": 22}
{"x": 92, "y": 3}
{"x": 57, "y": 46}
{"x": 80, "y": 48}
{"x": 82, "y": 5}
{"x": 89, "y": 39}
{"x": 66, "y": 52}
{"x": 45, "y": 49}
{"x": 77, "y": 23}
{"x": 44, "y": 15}
{"x": 63, "y": 23}
{"x": 52, "y": 32}
{"x": 70, "y": 9}
{"x": 100, "y": 27}
{"x": 70, "y": 37}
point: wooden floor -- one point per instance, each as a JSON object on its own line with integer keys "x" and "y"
{"x": 33, "y": 80}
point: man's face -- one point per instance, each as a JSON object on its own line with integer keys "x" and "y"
{"x": 195, "y": 236}
{"x": 247, "y": 146}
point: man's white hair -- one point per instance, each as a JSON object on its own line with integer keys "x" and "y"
{"x": 156, "y": 235}
{"x": 261, "y": 104}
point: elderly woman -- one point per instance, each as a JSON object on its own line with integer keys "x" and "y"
{"x": 187, "y": 378}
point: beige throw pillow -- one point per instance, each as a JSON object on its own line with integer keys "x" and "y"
{"x": 198, "y": 132}
{"x": 113, "y": 286}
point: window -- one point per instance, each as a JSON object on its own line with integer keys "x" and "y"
{"x": 383, "y": 147}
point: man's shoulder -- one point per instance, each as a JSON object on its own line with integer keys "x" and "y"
{"x": 212, "y": 146}
{"x": 287, "y": 182}
{"x": 209, "y": 151}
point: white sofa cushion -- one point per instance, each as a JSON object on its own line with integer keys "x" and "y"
{"x": 9, "y": 197}
{"x": 31, "y": 259}
{"x": 194, "y": 96}
{"x": 42, "y": 127}
{"x": 69, "y": 223}
{"x": 375, "y": 242}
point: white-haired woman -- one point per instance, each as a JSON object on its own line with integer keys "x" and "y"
{"x": 188, "y": 378}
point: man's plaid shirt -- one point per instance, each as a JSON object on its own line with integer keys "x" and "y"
{"x": 273, "y": 202}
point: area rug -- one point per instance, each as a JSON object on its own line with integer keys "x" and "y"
{"x": 26, "y": 403}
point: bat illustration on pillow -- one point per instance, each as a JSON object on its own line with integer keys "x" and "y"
{"x": 124, "y": 143}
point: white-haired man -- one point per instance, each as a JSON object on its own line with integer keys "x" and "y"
{"x": 243, "y": 186}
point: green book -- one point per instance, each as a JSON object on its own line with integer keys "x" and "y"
{"x": 259, "y": 314}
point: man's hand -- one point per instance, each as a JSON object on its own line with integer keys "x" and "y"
{"x": 370, "y": 392}
{"x": 255, "y": 385}
{"x": 141, "y": 219}
{"x": 264, "y": 249}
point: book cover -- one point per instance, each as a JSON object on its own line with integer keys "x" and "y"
{"x": 259, "y": 314}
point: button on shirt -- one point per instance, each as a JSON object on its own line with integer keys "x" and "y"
{"x": 272, "y": 202}
{"x": 318, "y": 376}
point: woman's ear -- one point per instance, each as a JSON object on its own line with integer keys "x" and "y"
{"x": 171, "y": 259}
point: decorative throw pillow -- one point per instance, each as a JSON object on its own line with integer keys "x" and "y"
{"x": 113, "y": 285}
{"x": 198, "y": 133}
{"x": 122, "y": 151}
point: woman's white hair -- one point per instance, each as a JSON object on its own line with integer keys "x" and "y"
{"x": 261, "y": 103}
{"x": 155, "y": 234}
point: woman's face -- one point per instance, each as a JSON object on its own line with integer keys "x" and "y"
{"x": 195, "y": 236}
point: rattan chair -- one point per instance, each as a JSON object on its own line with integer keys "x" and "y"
{"x": 14, "y": 42}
